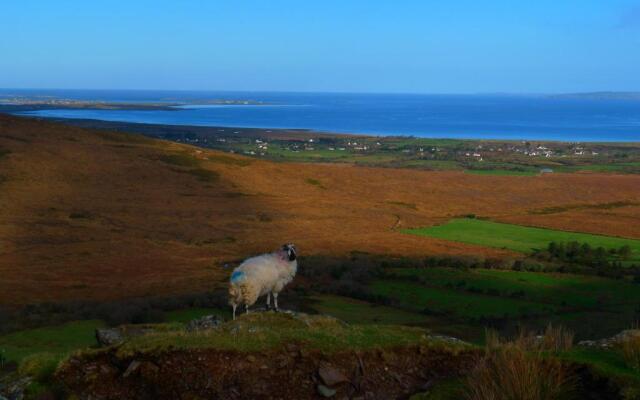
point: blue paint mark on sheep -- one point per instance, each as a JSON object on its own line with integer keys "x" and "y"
{"x": 236, "y": 276}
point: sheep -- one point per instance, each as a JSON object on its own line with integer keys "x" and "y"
{"x": 260, "y": 275}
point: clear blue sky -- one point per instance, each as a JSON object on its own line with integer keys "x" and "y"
{"x": 454, "y": 46}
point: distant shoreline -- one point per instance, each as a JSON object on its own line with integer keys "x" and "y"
{"x": 153, "y": 129}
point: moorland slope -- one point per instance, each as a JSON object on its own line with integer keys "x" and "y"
{"x": 91, "y": 214}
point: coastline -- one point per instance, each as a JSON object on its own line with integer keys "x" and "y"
{"x": 154, "y": 129}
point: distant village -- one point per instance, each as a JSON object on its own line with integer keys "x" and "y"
{"x": 538, "y": 155}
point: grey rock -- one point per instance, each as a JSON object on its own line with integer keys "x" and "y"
{"x": 204, "y": 323}
{"x": 613, "y": 341}
{"x": 447, "y": 339}
{"x": 331, "y": 376}
{"x": 114, "y": 336}
{"x": 131, "y": 368}
{"x": 109, "y": 336}
{"x": 325, "y": 391}
{"x": 14, "y": 388}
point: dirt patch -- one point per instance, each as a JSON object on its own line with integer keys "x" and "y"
{"x": 289, "y": 373}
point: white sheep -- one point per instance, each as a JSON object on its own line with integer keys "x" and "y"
{"x": 265, "y": 274}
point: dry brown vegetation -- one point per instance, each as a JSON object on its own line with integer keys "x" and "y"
{"x": 631, "y": 352}
{"x": 519, "y": 369}
{"x": 88, "y": 214}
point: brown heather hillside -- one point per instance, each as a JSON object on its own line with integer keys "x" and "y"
{"x": 94, "y": 215}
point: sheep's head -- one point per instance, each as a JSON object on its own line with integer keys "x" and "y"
{"x": 290, "y": 250}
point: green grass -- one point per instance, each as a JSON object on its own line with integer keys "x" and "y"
{"x": 186, "y": 315}
{"x": 566, "y": 290}
{"x": 204, "y": 175}
{"x": 314, "y": 182}
{"x": 265, "y": 331}
{"x": 629, "y": 167}
{"x": 500, "y": 172}
{"x": 449, "y": 389}
{"x": 574, "y": 301}
{"x": 411, "y": 206}
{"x": 180, "y": 160}
{"x": 361, "y": 312}
{"x": 455, "y": 304}
{"x": 518, "y": 238}
{"x": 55, "y": 340}
{"x": 609, "y": 363}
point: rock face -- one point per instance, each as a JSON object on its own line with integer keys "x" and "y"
{"x": 109, "y": 336}
{"x": 112, "y": 336}
{"x": 204, "y": 323}
{"x": 331, "y": 376}
{"x": 612, "y": 341}
{"x": 13, "y": 387}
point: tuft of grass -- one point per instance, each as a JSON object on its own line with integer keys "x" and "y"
{"x": 80, "y": 215}
{"x": 223, "y": 159}
{"x": 119, "y": 137}
{"x": 520, "y": 369}
{"x": 631, "y": 352}
{"x": 500, "y": 172}
{"x": 204, "y": 175}
{"x": 180, "y": 160}
{"x": 569, "y": 207}
{"x": 315, "y": 182}
{"x": 411, "y": 206}
{"x": 557, "y": 339}
{"x": 40, "y": 366}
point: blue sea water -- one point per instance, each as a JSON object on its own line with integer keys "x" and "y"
{"x": 533, "y": 117}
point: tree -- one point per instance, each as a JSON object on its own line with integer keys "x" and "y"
{"x": 624, "y": 252}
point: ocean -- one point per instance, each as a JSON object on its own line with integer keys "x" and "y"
{"x": 522, "y": 117}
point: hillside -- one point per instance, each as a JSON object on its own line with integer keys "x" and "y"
{"x": 268, "y": 356}
{"x": 89, "y": 214}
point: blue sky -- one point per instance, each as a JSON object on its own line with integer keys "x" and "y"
{"x": 455, "y": 46}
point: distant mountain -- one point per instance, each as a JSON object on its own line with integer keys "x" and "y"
{"x": 600, "y": 95}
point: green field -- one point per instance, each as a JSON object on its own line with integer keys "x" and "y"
{"x": 503, "y": 172}
{"x": 518, "y": 238}
{"x": 563, "y": 290}
{"x": 472, "y": 297}
{"x": 458, "y": 304}
{"x": 361, "y": 312}
{"x": 56, "y": 340}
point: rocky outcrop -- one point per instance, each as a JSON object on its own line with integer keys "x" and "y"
{"x": 290, "y": 373}
{"x": 114, "y": 336}
{"x": 204, "y": 323}
{"x": 613, "y": 341}
{"x": 13, "y": 387}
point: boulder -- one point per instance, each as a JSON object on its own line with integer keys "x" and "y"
{"x": 611, "y": 341}
{"x": 109, "y": 336}
{"x": 204, "y": 323}
{"x": 325, "y": 391}
{"x": 331, "y": 376}
{"x": 113, "y": 336}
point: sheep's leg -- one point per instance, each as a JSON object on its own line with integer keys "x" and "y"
{"x": 234, "y": 310}
{"x": 246, "y": 308}
{"x": 269, "y": 301}
{"x": 275, "y": 300}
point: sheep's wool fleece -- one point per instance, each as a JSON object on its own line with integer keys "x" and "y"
{"x": 263, "y": 274}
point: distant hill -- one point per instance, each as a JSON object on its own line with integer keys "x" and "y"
{"x": 96, "y": 214}
{"x": 600, "y": 95}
